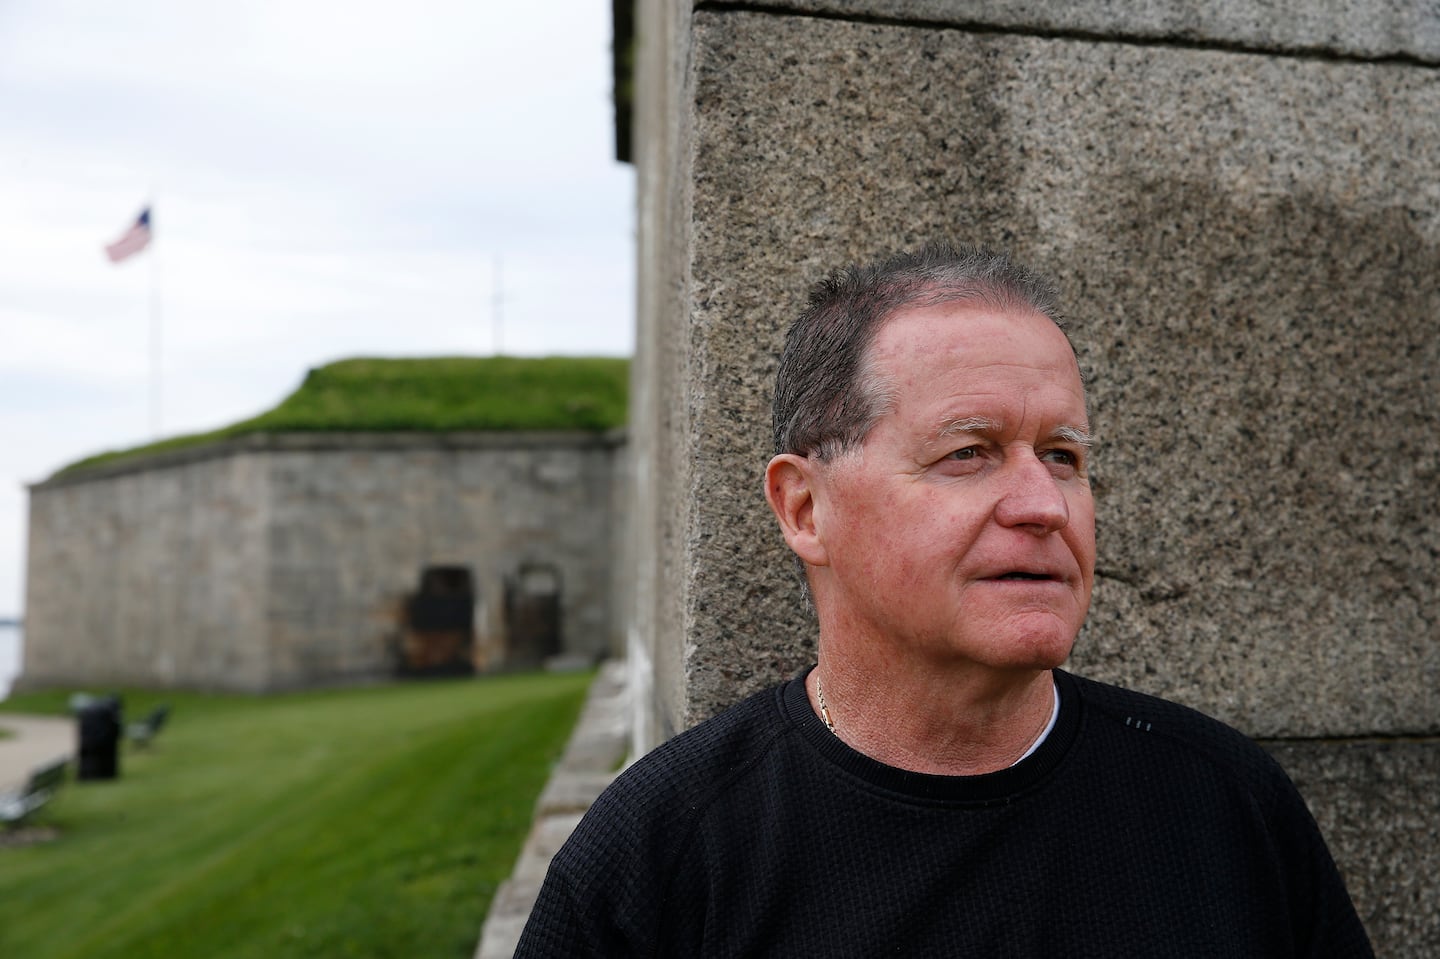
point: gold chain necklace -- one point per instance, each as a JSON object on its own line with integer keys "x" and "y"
{"x": 824, "y": 711}
{"x": 830, "y": 724}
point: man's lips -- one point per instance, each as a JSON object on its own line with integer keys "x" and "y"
{"x": 1024, "y": 576}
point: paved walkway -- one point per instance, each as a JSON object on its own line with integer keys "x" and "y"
{"x": 34, "y": 741}
{"x": 595, "y": 753}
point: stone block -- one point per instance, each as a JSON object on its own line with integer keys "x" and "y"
{"x": 1370, "y": 29}
{"x": 572, "y": 791}
{"x": 547, "y": 835}
{"x": 509, "y": 911}
{"x": 1375, "y": 802}
{"x": 1250, "y": 265}
{"x": 1241, "y": 209}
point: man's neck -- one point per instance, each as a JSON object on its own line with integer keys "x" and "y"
{"x": 964, "y": 720}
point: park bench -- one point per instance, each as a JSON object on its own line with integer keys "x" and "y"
{"x": 146, "y": 729}
{"x": 43, "y": 783}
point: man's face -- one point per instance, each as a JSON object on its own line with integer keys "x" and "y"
{"x": 964, "y": 526}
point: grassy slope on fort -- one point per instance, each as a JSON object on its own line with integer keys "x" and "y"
{"x": 430, "y": 395}
{"x": 364, "y": 822}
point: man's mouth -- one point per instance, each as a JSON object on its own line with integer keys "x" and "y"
{"x": 1019, "y": 575}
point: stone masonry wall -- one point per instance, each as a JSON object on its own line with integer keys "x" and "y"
{"x": 153, "y": 577}
{"x": 352, "y": 530}
{"x": 1242, "y": 209}
{"x": 285, "y": 561}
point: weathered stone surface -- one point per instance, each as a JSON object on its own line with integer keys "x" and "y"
{"x": 1251, "y": 266}
{"x": 153, "y": 578}
{"x": 1375, "y": 801}
{"x": 1248, "y": 246}
{"x": 660, "y": 446}
{"x": 1370, "y": 29}
{"x": 285, "y": 561}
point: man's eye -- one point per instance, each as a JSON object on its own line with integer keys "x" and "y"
{"x": 1063, "y": 457}
{"x": 965, "y": 453}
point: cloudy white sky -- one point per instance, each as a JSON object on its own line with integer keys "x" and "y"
{"x": 328, "y": 180}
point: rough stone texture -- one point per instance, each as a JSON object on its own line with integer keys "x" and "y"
{"x": 1248, "y": 246}
{"x": 267, "y": 564}
{"x": 661, "y": 442}
{"x": 1251, "y": 268}
{"x": 153, "y": 577}
{"x": 1373, "y": 29}
{"x": 1375, "y": 802}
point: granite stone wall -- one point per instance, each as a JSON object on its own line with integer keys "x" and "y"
{"x": 1242, "y": 208}
{"x": 150, "y": 577}
{"x": 660, "y": 408}
{"x": 285, "y": 561}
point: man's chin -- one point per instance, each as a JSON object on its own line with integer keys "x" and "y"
{"x": 1036, "y": 651}
{"x": 1029, "y": 655}
{"x": 1026, "y": 640}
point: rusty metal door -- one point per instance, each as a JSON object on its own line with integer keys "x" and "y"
{"x": 532, "y": 614}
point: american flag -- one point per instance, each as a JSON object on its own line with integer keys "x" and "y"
{"x": 133, "y": 240}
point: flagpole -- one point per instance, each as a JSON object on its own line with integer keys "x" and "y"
{"x": 138, "y": 237}
{"x": 495, "y": 315}
{"x": 156, "y": 329}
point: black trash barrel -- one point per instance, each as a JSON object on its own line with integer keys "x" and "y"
{"x": 99, "y": 740}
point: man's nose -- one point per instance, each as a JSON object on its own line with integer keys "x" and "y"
{"x": 1030, "y": 496}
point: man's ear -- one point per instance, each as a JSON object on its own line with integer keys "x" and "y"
{"x": 790, "y": 489}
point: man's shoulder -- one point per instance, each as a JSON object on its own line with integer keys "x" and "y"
{"x": 1142, "y": 718}
{"x": 613, "y": 883}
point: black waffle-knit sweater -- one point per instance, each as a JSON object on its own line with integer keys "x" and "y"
{"x": 1139, "y": 828}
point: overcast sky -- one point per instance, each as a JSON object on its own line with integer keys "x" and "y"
{"x": 328, "y": 180}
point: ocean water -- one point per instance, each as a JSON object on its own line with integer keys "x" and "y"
{"x": 11, "y": 638}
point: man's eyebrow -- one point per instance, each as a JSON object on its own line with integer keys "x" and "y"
{"x": 967, "y": 424}
{"x": 1074, "y": 434}
{"x": 1077, "y": 435}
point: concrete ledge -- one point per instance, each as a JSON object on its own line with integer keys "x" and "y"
{"x": 1369, "y": 30}
{"x": 597, "y": 748}
{"x": 572, "y": 791}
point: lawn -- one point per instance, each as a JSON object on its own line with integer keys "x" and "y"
{"x": 366, "y": 822}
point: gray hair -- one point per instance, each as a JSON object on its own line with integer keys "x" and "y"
{"x": 827, "y": 396}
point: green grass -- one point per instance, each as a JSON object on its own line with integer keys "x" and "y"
{"x": 372, "y": 822}
{"x": 432, "y": 395}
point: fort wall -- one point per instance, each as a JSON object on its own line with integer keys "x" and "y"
{"x": 272, "y": 562}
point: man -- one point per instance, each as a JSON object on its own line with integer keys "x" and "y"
{"x": 935, "y": 785}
